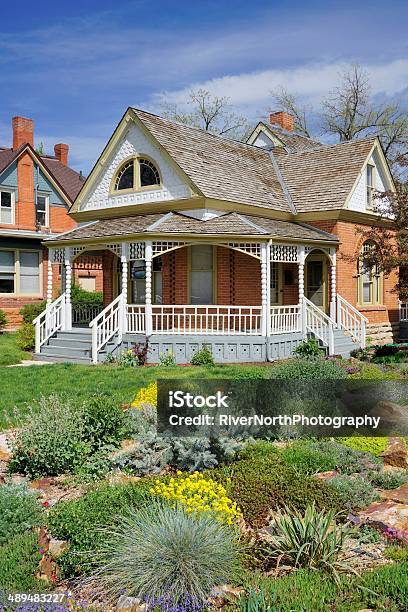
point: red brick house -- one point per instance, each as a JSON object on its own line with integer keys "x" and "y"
{"x": 36, "y": 191}
{"x": 243, "y": 247}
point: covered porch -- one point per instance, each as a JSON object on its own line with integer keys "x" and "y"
{"x": 249, "y": 301}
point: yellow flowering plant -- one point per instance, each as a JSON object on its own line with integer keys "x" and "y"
{"x": 198, "y": 494}
{"x": 146, "y": 395}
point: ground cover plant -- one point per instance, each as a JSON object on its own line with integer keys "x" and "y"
{"x": 19, "y": 559}
{"x": 19, "y": 511}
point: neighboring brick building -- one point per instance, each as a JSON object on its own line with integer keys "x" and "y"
{"x": 36, "y": 191}
{"x": 245, "y": 247}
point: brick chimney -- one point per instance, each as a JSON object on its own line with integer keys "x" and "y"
{"x": 23, "y": 131}
{"x": 61, "y": 153}
{"x": 284, "y": 120}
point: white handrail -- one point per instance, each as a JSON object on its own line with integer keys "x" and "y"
{"x": 351, "y": 320}
{"x": 49, "y": 321}
{"x": 108, "y": 323}
{"x": 318, "y": 323}
{"x": 207, "y": 319}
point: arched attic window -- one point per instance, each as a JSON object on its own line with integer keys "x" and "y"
{"x": 136, "y": 173}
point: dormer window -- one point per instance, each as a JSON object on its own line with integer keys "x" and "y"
{"x": 137, "y": 173}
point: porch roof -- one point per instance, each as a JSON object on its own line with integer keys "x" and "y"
{"x": 176, "y": 223}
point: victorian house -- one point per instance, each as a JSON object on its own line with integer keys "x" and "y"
{"x": 246, "y": 248}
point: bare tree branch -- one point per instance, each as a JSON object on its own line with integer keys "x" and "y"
{"x": 289, "y": 103}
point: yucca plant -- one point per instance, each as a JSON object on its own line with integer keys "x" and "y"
{"x": 167, "y": 557}
{"x": 311, "y": 540}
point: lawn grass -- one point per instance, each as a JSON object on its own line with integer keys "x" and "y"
{"x": 9, "y": 351}
{"x": 19, "y": 386}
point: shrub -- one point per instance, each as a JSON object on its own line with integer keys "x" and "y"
{"x": 82, "y": 299}
{"x": 59, "y": 435}
{"x": 80, "y": 521}
{"x": 308, "y": 369}
{"x": 26, "y": 337}
{"x": 311, "y": 540}
{"x": 355, "y": 491}
{"x": 19, "y": 511}
{"x": 150, "y": 456}
{"x": 202, "y": 357}
{"x": 199, "y": 494}
{"x": 388, "y": 480}
{"x": 29, "y": 312}
{"x": 168, "y": 557}
{"x": 261, "y": 484}
{"x": 51, "y": 441}
{"x": 167, "y": 360}
{"x": 309, "y": 348}
{"x": 308, "y": 456}
{"x": 19, "y": 561}
{"x": 375, "y": 446}
{"x": 3, "y": 320}
{"x": 140, "y": 352}
{"x": 104, "y": 422}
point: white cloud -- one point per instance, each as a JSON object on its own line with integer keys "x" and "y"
{"x": 310, "y": 82}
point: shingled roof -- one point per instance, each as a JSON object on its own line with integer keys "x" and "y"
{"x": 220, "y": 168}
{"x": 292, "y": 141}
{"x": 68, "y": 179}
{"x": 182, "y": 224}
{"x": 321, "y": 179}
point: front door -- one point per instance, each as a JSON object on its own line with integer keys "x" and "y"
{"x": 316, "y": 280}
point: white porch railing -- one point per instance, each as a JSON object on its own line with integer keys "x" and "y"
{"x": 403, "y": 311}
{"x": 315, "y": 321}
{"x": 49, "y": 321}
{"x": 107, "y": 324}
{"x": 136, "y": 320}
{"x": 207, "y": 319}
{"x": 351, "y": 320}
{"x": 285, "y": 319}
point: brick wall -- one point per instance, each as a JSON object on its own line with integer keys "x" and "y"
{"x": 350, "y": 241}
{"x": 109, "y": 260}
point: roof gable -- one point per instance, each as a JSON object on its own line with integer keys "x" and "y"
{"x": 265, "y": 136}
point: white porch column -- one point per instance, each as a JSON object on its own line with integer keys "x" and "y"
{"x": 148, "y": 301}
{"x": 333, "y": 289}
{"x": 265, "y": 310}
{"x": 124, "y": 288}
{"x": 49, "y": 276}
{"x": 301, "y": 273}
{"x": 68, "y": 282}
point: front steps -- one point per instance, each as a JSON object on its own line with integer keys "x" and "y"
{"x": 74, "y": 346}
{"x": 343, "y": 343}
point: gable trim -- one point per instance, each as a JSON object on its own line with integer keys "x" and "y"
{"x": 113, "y": 141}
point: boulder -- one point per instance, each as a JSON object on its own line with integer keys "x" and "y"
{"x": 399, "y": 495}
{"x": 130, "y": 604}
{"x": 396, "y": 454}
{"x": 386, "y": 514}
{"x": 57, "y": 547}
{"x": 224, "y": 594}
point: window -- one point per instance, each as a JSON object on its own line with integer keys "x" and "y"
{"x": 41, "y": 209}
{"x": 7, "y": 207}
{"x": 125, "y": 177}
{"x": 88, "y": 283}
{"x": 138, "y": 281}
{"x": 370, "y": 173}
{"x": 7, "y": 272}
{"x": 136, "y": 174}
{"x": 369, "y": 276}
{"x": 20, "y": 272}
{"x": 201, "y": 274}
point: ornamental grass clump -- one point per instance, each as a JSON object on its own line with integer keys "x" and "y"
{"x": 164, "y": 554}
{"x": 200, "y": 495}
{"x": 311, "y": 540}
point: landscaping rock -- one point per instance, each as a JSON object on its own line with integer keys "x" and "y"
{"x": 48, "y": 569}
{"x": 387, "y": 514}
{"x": 327, "y": 476}
{"x": 399, "y": 495}
{"x": 57, "y": 547}
{"x": 5, "y": 450}
{"x": 224, "y": 594}
{"x": 130, "y": 604}
{"x": 396, "y": 454}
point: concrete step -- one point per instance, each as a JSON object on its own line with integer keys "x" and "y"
{"x": 62, "y": 359}
{"x": 70, "y": 342}
{"x": 70, "y": 336}
{"x": 68, "y": 351}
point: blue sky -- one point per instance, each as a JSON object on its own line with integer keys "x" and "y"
{"x": 75, "y": 66}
